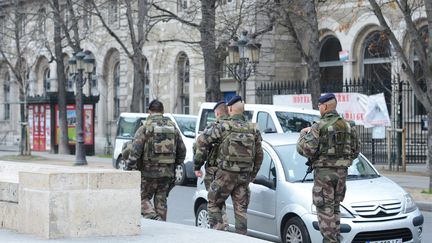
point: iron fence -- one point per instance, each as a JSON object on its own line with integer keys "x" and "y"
{"x": 405, "y": 113}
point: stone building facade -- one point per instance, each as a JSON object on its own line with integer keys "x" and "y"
{"x": 174, "y": 70}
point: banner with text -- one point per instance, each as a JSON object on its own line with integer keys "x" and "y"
{"x": 352, "y": 106}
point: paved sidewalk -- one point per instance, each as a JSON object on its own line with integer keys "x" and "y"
{"x": 151, "y": 231}
{"x": 415, "y": 179}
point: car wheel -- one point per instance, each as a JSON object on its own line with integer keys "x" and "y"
{"x": 120, "y": 164}
{"x": 295, "y": 231}
{"x": 201, "y": 217}
{"x": 180, "y": 174}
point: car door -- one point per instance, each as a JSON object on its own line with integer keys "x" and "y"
{"x": 262, "y": 205}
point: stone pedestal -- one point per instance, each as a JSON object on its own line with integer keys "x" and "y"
{"x": 56, "y": 202}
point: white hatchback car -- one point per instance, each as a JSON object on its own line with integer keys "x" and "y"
{"x": 128, "y": 124}
{"x": 375, "y": 209}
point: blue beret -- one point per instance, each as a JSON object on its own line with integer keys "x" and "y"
{"x": 326, "y": 97}
{"x": 218, "y": 104}
{"x": 234, "y": 100}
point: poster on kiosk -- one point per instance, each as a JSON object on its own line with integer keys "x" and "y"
{"x": 71, "y": 124}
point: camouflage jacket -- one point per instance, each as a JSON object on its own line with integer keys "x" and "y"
{"x": 152, "y": 168}
{"x": 217, "y": 134}
{"x": 213, "y": 149}
{"x": 310, "y": 143}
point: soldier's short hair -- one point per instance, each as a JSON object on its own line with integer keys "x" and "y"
{"x": 156, "y": 106}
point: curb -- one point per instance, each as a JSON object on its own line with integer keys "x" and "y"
{"x": 424, "y": 206}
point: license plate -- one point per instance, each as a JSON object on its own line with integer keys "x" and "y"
{"x": 386, "y": 241}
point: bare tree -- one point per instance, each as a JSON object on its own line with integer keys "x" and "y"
{"x": 217, "y": 25}
{"x": 18, "y": 39}
{"x": 300, "y": 18}
{"x": 423, "y": 93}
{"x": 139, "y": 25}
{"x": 61, "y": 78}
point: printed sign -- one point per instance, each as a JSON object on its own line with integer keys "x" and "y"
{"x": 352, "y": 106}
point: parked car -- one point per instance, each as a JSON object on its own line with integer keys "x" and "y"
{"x": 269, "y": 118}
{"x": 375, "y": 209}
{"x": 128, "y": 124}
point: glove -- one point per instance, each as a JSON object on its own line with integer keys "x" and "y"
{"x": 129, "y": 165}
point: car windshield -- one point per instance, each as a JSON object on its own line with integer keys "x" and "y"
{"x": 187, "y": 125}
{"x": 295, "y": 169}
{"x": 127, "y": 126}
{"x": 294, "y": 122}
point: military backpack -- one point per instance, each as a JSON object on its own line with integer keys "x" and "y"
{"x": 335, "y": 140}
{"x": 237, "y": 147}
{"x": 160, "y": 146}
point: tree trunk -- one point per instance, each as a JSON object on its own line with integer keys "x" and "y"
{"x": 208, "y": 46}
{"x": 61, "y": 80}
{"x": 24, "y": 143}
{"x": 314, "y": 47}
{"x": 138, "y": 83}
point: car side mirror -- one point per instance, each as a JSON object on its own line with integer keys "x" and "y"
{"x": 268, "y": 130}
{"x": 261, "y": 180}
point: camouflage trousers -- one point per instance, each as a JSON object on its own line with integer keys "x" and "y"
{"x": 328, "y": 191}
{"x": 224, "y": 185}
{"x": 158, "y": 189}
{"x": 209, "y": 177}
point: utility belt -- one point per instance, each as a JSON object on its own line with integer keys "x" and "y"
{"x": 236, "y": 167}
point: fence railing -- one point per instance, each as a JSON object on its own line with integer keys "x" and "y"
{"x": 404, "y": 110}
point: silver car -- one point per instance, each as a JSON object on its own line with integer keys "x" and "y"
{"x": 375, "y": 209}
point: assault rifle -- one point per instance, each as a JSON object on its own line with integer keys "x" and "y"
{"x": 309, "y": 169}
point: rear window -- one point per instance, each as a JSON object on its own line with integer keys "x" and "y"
{"x": 187, "y": 125}
{"x": 295, "y": 122}
{"x": 127, "y": 126}
{"x": 208, "y": 118}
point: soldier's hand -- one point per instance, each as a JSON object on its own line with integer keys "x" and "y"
{"x": 129, "y": 165}
{"x": 305, "y": 130}
{"x": 198, "y": 173}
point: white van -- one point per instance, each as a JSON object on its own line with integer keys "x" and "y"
{"x": 270, "y": 118}
{"x": 128, "y": 124}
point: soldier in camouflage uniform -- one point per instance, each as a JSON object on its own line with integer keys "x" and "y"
{"x": 239, "y": 159}
{"x": 156, "y": 149}
{"x": 330, "y": 145}
{"x": 221, "y": 114}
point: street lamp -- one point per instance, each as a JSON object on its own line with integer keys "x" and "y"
{"x": 243, "y": 55}
{"x": 79, "y": 63}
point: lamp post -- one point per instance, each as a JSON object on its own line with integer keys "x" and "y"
{"x": 243, "y": 55}
{"x": 79, "y": 63}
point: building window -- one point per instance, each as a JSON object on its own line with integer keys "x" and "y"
{"x": 6, "y": 99}
{"x": 113, "y": 9}
{"x": 116, "y": 76}
{"x": 183, "y": 83}
{"x": 331, "y": 68}
{"x": 65, "y": 15}
{"x": 42, "y": 21}
{"x": 87, "y": 17}
{"x": 182, "y": 5}
{"x": 46, "y": 81}
{"x": 377, "y": 65}
{"x": 22, "y": 22}
{"x": 146, "y": 95}
{"x": 225, "y": 72}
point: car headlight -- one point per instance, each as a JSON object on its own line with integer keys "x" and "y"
{"x": 409, "y": 204}
{"x": 344, "y": 213}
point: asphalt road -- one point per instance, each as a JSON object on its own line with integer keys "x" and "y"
{"x": 180, "y": 210}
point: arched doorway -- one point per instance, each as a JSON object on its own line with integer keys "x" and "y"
{"x": 331, "y": 68}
